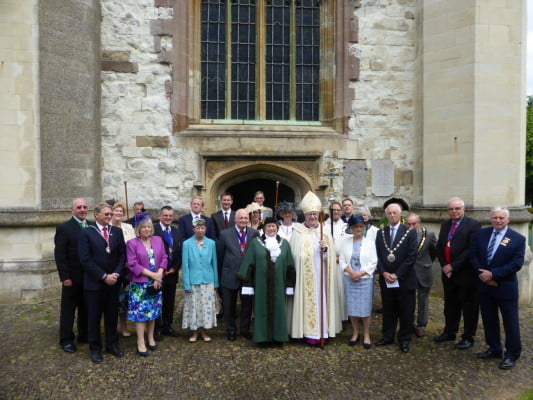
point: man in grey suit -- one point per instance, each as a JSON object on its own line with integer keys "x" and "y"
{"x": 231, "y": 247}
{"x": 425, "y": 254}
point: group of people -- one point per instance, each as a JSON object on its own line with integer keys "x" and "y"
{"x": 294, "y": 280}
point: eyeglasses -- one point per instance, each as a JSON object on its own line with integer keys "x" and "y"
{"x": 81, "y": 207}
{"x": 455, "y": 208}
{"x": 110, "y": 214}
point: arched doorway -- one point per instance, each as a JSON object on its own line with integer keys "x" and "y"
{"x": 244, "y": 178}
{"x": 243, "y": 193}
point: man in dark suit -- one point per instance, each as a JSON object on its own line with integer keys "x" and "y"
{"x": 185, "y": 230}
{"x": 225, "y": 217}
{"x": 396, "y": 250}
{"x": 497, "y": 255}
{"x": 458, "y": 279}
{"x": 169, "y": 234}
{"x": 231, "y": 248}
{"x": 103, "y": 254}
{"x": 347, "y": 209}
{"x": 71, "y": 276}
{"x": 425, "y": 254}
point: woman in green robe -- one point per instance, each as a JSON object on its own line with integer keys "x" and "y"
{"x": 267, "y": 271}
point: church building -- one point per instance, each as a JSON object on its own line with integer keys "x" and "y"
{"x": 367, "y": 99}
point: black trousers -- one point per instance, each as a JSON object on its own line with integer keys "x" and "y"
{"x": 230, "y": 309}
{"x": 460, "y": 300}
{"x": 71, "y": 299}
{"x": 398, "y": 305}
{"x": 102, "y": 302}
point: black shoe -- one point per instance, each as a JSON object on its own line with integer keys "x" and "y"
{"x": 154, "y": 347}
{"x": 170, "y": 332}
{"x": 367, "y": 345}
{"x": 246, "y": 335}
{"x": 489, "y": 353}
{"x": 464, "y": 344}
{"x": 384, "y": 342}
{"x": 96, "y": 358}
{"x": 142, "y": 353}
{"x": 506, "y": 364}
{"x": 443, "y": 337}
{"x": 352, "y": 343}
{"x": 69, "y": 348}
{"x": 232, "y": 335}
{"x": 404, "y": 347}
{"x": 115, "y": 351}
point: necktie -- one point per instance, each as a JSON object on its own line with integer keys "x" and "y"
{"x": 392, "y": 229}
{"x": 492, "y": 246}
{"x": 447, "y": 249}
{"x": 242, "y": 241}
{"x": 226, "y": 220}
{"x": 105, "y": 234}
{"x": 168, "y": 236}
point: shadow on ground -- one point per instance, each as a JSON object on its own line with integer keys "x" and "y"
{"x": 32, "y": 366}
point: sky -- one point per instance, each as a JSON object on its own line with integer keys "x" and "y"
{"x": 529, "y": 47}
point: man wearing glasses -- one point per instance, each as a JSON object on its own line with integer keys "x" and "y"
{"x": 458, "y": 276}
{"x": 103, "y": 255}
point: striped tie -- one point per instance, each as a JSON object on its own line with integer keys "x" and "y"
{"x": 493, "y": 243}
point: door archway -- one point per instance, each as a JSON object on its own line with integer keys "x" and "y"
{"x": 243, "y": 180}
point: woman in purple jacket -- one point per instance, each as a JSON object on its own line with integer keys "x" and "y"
{"x": 147, "y": 261}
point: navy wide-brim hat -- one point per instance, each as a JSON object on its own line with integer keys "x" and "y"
{"x": 285, "y": 206}
{"x": 354, "y": 220}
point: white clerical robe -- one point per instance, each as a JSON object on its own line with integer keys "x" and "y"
{"x": 307, "y": 299}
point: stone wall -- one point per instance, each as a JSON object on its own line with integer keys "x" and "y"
{"x": 137, "y": 141}
{"x": 19, "y": 104}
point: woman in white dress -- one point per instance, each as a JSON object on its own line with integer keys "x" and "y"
{"x": 358, "y": 261}
{"x": 287, "y": 211}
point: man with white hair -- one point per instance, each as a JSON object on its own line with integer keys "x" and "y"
{"x": 396, "y": 250}
{"x": 497, "y": 255}
{"x": 458, "y": 278}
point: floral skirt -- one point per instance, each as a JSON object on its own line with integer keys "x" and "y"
{"x": 141, "y": 306}
{"x": 199, "y": 308}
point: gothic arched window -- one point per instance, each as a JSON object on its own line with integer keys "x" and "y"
{"x": 261, "y": 60}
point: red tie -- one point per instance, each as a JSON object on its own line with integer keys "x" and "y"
{"x": 447, "y": 249}
{"x": 226, "y": 221}
{"x": 106, "y": 236}
{"x": 242, "y": 241}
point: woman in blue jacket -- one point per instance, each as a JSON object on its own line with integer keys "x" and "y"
{"x": 200, "y": 279}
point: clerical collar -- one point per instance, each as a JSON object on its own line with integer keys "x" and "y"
{"x": 310, "y": 227}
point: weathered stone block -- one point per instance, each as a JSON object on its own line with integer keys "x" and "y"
{"x": 152, "y": 141}
{"x": 120, "y": 66}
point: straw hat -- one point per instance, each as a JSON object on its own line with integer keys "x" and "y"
{"x": 254, "y": 207}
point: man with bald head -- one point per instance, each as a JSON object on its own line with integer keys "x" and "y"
{"x": 231, "y": 247}
{"x": 71, "y": 276}
{"x": 458, "y": 278}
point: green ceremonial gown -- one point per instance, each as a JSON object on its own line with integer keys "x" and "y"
{"x": 269, "y": 281}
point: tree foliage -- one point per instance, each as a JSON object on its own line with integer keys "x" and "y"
{"x": 529, "y": 151}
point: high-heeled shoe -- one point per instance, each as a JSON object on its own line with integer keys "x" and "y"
{"x": 150, "y": 347}
{"x": 142, "y": 353}
{"x": 367, "y": 345}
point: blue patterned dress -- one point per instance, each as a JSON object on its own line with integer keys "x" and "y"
{"x": 141, "y": 306}
{"x": 358, "y": 295}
